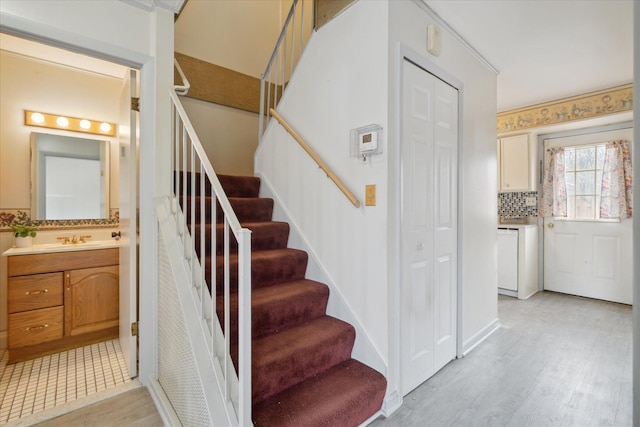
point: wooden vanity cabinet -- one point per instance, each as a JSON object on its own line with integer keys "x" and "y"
{"x": 61, "y": 300}
{"x": 94, "y": 299}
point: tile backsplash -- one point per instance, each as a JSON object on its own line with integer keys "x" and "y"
{"x": 513, "y": 204}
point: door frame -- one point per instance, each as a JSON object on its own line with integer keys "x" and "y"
{"x": 146, "y": 65}
{"x": 562, "y": 134}
{"x": 404, "y": 52}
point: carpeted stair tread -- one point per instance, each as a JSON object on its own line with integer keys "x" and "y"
{"x": 233, "y": 186}
{"x": 346, "y": 395}
{"x": 280, "y": 306}
{"x": 264, "y": 236}
{"x": 240, "y": 186}
{"x": 267, "y": 267}
{"x": 246, "y": 209}
{"x": 283, "y": 359}
{"x": 287, "y": 304}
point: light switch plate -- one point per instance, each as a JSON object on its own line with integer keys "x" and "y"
{"x": 530, "y": 201}
{"x": 370, "y": 195}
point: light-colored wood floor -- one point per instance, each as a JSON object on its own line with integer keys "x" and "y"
{"x": 557, "y": 360}
{"x": 132, "y": 409}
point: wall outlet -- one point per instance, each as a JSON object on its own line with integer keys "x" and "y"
{"x": 370, "y": 195}
{"x": 530, "y": 201}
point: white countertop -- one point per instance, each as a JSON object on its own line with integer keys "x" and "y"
{"x": 59, "y": 247}
{"x": 516, "y": 226}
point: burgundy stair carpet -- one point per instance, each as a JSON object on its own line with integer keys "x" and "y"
{"x": 302, "y": 370}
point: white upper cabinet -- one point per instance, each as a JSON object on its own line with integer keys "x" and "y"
{"x": 516, "y": 164}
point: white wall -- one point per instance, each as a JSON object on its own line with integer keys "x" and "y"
{"x": 340, "y": 84}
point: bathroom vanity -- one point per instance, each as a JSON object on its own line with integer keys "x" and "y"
{"x": 61, "y": 298}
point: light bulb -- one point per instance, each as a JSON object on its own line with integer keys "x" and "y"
{"x": 105, "y": 127}
{"x": 62, "y": 121}
{"x": 85, "y": 124}
{"x": 37, "y": 118}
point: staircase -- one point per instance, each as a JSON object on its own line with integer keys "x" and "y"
{"x": 302, "y": 370}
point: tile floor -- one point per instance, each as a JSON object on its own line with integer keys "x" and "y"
{"x": 35, "y": 385}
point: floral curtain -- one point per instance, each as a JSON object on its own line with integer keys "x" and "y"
{"x": 554, "y": 189}
{"x": 617, "y": 179}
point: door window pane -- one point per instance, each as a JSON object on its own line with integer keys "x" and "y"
{"x": 570, "y": 181}
{"x": 569, "y": 159}
{"x": 585, "y": 158}
{"x": 586, "y": 182}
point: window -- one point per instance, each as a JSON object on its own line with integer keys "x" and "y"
{"x": 583, "y": 176}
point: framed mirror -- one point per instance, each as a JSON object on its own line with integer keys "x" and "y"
{"x": 69, "y": 177}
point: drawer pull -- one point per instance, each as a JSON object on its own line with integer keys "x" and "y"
{"x": 44, "y": 291}
{"x": 31, "y": 328}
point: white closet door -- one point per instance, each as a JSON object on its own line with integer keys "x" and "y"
{"x": 429, "y": 225}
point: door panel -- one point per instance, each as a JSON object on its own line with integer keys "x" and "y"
{"x": 421, "y": 298}
{"x": 606, "y": 252}
{"x": 128, "y": 130}
{"x": 444, "y": 187}
{"x": 429, "y": 225}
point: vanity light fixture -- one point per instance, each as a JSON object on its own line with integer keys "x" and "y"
{"x": 55, "y": 121}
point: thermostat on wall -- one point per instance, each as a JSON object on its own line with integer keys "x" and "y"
{"x": 366, "y": 141}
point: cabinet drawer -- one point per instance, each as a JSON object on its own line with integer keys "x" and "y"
{"x": 35, "y": 291}
{"x": 35, "y": 327}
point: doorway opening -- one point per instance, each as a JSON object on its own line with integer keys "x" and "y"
{"x": 45, "y": 78}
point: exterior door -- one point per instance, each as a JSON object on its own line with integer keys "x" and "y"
{"x": 429, "y": 225}
{"x": 128, "y": 223}
{"x": 584, "y": 256}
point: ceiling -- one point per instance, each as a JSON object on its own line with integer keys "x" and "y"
{"x": 546, "y": 50}
{"x": 543, "y": 50}
{"x": 41, "y": 52}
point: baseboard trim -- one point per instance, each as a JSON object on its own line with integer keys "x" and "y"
{"x": 391, "y": 404}
{"x": 168, "y": 415}
{"x": 482, "y": 335}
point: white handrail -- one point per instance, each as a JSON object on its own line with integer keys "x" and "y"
{"x": 188, "y": 159}
{"x": 332, "y": 176}
{"x": 184, "y": 88}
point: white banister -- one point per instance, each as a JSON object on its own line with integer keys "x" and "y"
{"x": 190, "y": 163}
{"x": 282, "y": 62}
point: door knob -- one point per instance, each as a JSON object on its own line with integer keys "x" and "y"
{"x": 550, "y": 225}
